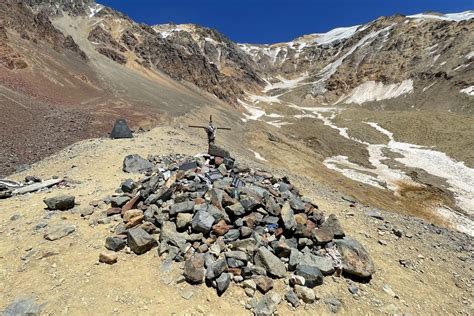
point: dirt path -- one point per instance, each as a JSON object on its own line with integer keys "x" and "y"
{"x": 65, "y": 274}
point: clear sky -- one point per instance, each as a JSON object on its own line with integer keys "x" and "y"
{"x": 270, "y": 21}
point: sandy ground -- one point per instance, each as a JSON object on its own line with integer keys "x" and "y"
{"x": 66, "y": 276}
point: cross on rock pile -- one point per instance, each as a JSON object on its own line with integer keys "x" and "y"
{"x": 228, "y": 222}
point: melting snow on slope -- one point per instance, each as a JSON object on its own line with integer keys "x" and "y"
{"x": 468, "y": 91}
{"x": 258, "y": 156}
{"x": 446, "y": 17}
{"x": 94, "y": 9}
{"x": 331, "y": 68}
{"x": 285, "y": 83}
{"x": 460, "y": 177}
{"x": 376, "y": 91}
{"x": 336, "y": 35}
{"x": 254, "y": 113}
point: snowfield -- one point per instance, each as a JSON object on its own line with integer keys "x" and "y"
{"x": 377, "y": 91}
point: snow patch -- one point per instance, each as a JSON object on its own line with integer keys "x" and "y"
{"x": 459, "y": 177}
{"x": 254, "y": 113}
{"x": 456, "y": 17}
{"x": 377, "y": 91}
{"x": 470, "y": 55}
{"x": 278, "y": 123}
{"x": 258, "y": 156}
{"x": 468, "y": 91}
{"x": 336, "y": 35}
{"x": 94, "y": 9}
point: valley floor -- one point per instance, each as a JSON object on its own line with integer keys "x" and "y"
{"x": 429, "y": 270}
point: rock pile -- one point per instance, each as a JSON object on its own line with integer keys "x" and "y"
{"x": 228, "y": 222}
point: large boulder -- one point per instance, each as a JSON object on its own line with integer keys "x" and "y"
{"x": 136, "y": 164}
{"x": 140, "y": 241}
{"x": 355, "y": 259}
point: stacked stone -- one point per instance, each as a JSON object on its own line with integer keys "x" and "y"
{"x": 228, "y": 222}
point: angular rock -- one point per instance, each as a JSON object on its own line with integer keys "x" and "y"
{"x": 322, "y": 236}
{"x": 115, "y": 243}
{"x": 140, "y": 241}
{"x": 183, "y": 220}
{"x": 249, "y": 287}
{"x": 194, "y": 271}
{"x": 215, "y": 269}
{"x": 183, "y": 207}
{"x": 232, "y": 235}
{"x": 59, "y": 231}
{"x": 128, "y": 186}
{"x": 239, "y": 255}
{"x": 221, "y": 228}
{"x": 202, "y": 222}
{"x": 264, "y": 284}
{"x": 128, "y": 215}
{"x": 356, "y": 260}
{"x": 264, "y": 258}
{"x": 312, "y": 275}
{"x": 292, "y": 298}
{"x": 332, "y": 225}
{"x": 296, "y": 204}
{"x": 61, "y": 203}
{"x": 266, "y": 306}
{"x": 236, "y": 209}
{"x": 324, "y": 264}
{"x": 108, "y": 257}
{"x": 23, "y": 307}
{"x": 306, "y": 294}
{"x": 217, "y": 151}
{"x": 136, "y": 164}
{"x": 223, "y": 283}
{"x": 119, "y": 201}
{"x": 288, "y": 217}
{"x": 272, "y": 207}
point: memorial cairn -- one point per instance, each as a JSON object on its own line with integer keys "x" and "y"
{"x": 231, "y": 223}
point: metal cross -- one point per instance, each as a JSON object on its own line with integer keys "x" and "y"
{"x": 211, "y": 131}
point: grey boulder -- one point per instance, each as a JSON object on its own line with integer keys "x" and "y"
{"x": 61, "y": 203}
{"x": 136, "y": 164}
{"x": 140, "y": 241}
{"x": 355, "y": 259}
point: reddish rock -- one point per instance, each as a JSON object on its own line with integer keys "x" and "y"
{"x": 150, "y": 228}
{"x": 278, "y": 232}
{"x": 218, "y": 161}
{"x": 221, "y": 228}
{"x": 131, "y": 204}
{"x": 321, "y": 236}
{"x": 235, "y": 271}
{"x": 264, "y": 284}
{"x": 199, "y": 201}
{"x": 113, "y": 211}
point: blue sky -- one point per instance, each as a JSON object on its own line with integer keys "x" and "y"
{"x": 270, "y": 21}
